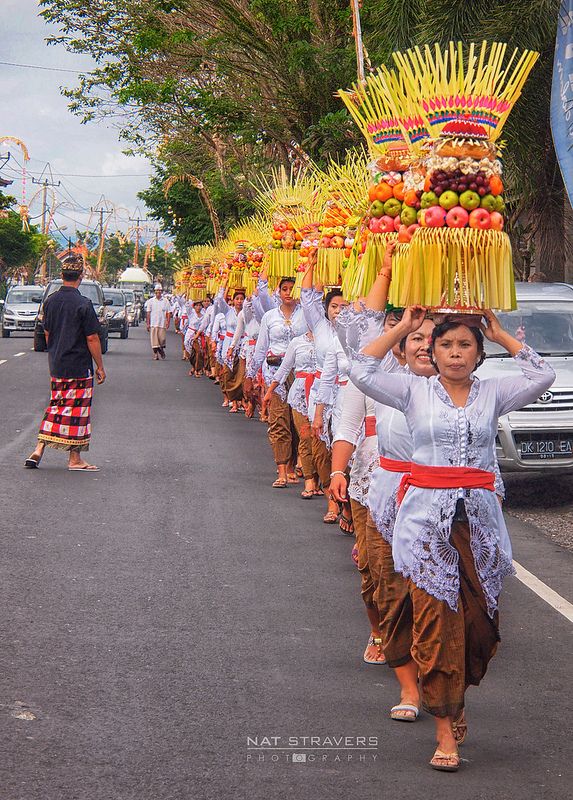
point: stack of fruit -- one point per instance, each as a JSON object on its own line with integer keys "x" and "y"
{"x": 460, "y": 258}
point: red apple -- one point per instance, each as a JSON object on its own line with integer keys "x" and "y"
{"x": 435, "y": 217}
{"x": 412, "y": 228}
{"x": 480, "y": 218}
{"x": 397, "y": 223}
{"x": 496, "y": 221}
{"x": 374, "y": 225}
{"x": 457, "y": 217}
{"x": 386, "y": 224}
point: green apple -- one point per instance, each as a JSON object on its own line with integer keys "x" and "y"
{"x": 377, "y": 209}
{"x": 500, "y": 205}
{"x": 469, "y": 200}
{"x": 430, "y": 199}
{"x": 489, "y": 202}
{"x": 409, "y": 215}
{"x": 448, "y": 200}
{"x": 392, "y": 207}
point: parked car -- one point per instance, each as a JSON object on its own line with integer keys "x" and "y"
{"x": 117, "y": 312}
{"x": 20, "y": 309}
{"x": 90, "y": 289}
{"x": 132, "y": 307}
{"x": 540, "y": 435}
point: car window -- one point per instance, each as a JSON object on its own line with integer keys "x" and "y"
{"x": 21, "y": 295}
{"x": 129, "y": 297}
{"x": 116, "y": 298}
{"x": 547, "y": 327}
{"x": 89, "y": 290}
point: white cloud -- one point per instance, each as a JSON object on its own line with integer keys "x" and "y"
{"x": 35, "y": 111}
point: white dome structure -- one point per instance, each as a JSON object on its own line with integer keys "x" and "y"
{"x": 135, "y": 275}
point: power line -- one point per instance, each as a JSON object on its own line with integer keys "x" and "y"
{"x": 37, "y": 66}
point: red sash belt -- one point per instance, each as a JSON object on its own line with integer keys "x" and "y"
{"x": 252, "y": 341}
{"x": 428, "y": 477}
{"x": 370, "y": 425}
{"x": 221, "y": 336}
{"x": 308, "y": 381}
{"x": 230, "y": 334}
{"x": 394, "y": 465}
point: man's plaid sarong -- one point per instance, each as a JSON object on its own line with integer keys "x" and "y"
{"x": 66, "y": 422}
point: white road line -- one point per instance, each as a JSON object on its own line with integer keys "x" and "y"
{"x": 544, "y": 591}
{"x": 19, "y": 354}
{"x": 3, "y": 361}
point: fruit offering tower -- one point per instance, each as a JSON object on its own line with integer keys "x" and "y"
{"x": 387, "y": 117}
{"x": 459, "y": 258}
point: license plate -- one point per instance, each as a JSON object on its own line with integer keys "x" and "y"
{"x": 547, "y": 449}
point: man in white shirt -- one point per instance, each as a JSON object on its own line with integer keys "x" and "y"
{"x": 158, "y": 315}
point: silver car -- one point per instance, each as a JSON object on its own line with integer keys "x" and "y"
{"x": 540, "y": 435}
{"x": 21, "y": 309}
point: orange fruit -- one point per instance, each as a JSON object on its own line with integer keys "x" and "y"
{"x": 410, "y": 198}
{"x": 398, "y": 190}
{"x": 495, "y": 185}
{"x": 384, "y": 192}
{"x": 372, "y": 192}
{"x": 427, "y": 184}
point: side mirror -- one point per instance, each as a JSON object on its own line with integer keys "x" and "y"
{"x": 37, "y": 298}
{"x": 1, "y": 302}
{"x": 108, "y": 302}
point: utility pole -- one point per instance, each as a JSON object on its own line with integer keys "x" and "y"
{"x": 137, "y": 220}
{"x": 45, "y": 224}
{"x": 101, "y": 212}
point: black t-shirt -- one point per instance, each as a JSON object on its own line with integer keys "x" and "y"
{"x": 69, "y": 317}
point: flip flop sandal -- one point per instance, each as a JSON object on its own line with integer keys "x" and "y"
{"x": 32, "y": 463}
{"x": 330, "y": 518}
{"x": 354, "y": 554}
{"x": 279, "y": 484}
{"x": 307, "y": 494}
{"x": 445, "y": 762}
{"x": 374, "y": 642}
{"x": 411, "y": 710}
{"x": 292, "y": 478}
{"x": 349, "y": 522}
{"x": 319, "y": 492}
{"x": 85, "y": 468}
{"x": 460, "y": 729}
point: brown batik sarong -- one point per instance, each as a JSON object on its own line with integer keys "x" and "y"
{"x": 452, "y": 648}
{"x": 359, "y": 517}
{"x": 234, "y": 379}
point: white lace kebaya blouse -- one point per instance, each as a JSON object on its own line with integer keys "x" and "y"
{"x": 275, "y": 333}
{"x": 444, "y": 435}
{"x": 355, "y": 408}
{"x": 301, "y": 357}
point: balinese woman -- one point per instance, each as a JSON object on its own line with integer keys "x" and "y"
{"x": 450, "y": 540}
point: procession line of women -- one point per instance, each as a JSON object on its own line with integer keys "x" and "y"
{"x": 383, "y": 413}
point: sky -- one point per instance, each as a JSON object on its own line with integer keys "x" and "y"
{"x": 87, "y": 159}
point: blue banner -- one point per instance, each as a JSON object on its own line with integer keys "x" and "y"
{"x": 562, "y": 95}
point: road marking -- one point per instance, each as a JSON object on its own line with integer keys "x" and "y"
{"x": 19, "y": 354}
{"x": 3, "y": 361}
{"x": 544, "y": 591}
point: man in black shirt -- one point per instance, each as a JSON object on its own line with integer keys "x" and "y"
{"x": 72, "y": 334}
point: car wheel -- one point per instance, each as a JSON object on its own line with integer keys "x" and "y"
{"x": 39, "y": 343}
{"x": 124, "y": 333}
{"x": 5, "y": 334}
{"x": 104, "y": 345}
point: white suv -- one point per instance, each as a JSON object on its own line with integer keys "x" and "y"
{"x": 540, "y": 435}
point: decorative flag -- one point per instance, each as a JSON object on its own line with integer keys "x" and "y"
{"x": 562, "y": 95}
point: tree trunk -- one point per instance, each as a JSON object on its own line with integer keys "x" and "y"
{"x": 550, "y": 232}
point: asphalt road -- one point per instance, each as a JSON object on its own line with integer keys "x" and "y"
{"x": 159, "y": 613}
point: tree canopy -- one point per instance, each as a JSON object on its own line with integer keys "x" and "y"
{"x": 225, "y": 90}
